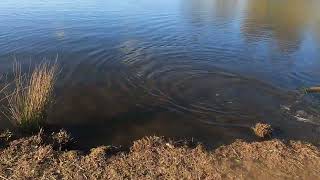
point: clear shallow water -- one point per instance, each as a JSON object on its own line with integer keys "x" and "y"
{"x": 207, "y": 69}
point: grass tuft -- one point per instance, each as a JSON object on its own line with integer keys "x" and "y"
{"x": 32, "y": 94}
{"x": 262, "y": 130}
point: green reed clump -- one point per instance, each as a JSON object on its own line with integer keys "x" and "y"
{"x": 31, "y": 96}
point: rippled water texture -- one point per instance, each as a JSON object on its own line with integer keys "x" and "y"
{"x": 207, "y": 69}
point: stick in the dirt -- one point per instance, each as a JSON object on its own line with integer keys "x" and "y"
{"x": 313, "y": 90}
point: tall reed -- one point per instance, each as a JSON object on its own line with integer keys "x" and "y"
{"x": 3, "y": 88}
{"x": 31, "y": 96}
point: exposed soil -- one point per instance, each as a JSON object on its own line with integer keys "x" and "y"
{"x": 158, "y": 158}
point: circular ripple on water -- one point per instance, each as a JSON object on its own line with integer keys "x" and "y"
{"x": 210, "y": 95}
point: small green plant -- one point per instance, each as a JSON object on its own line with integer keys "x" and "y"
{"x": 31, "y": 96}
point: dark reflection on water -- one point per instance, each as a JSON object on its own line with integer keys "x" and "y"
{"x": 207, "y": 69}
{"x": 286, "y": 23}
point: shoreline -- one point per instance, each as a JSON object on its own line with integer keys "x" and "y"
{"x": 46, "y": 156}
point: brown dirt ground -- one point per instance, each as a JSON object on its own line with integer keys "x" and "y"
{"x": 157, "y": 158}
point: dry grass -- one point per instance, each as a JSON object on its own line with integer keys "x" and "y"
{"x": 157, "y": 158}
{"x": 3, "y": 88}
{"x": 31, "y": 96}
{"x": 263, "y": 130}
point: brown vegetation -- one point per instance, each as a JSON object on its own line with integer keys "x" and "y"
{"x": 313, "y": 90}
{"x": 31, "y": 95}
{"x": 262, "y": 130}
{"x": 157, "y": 158}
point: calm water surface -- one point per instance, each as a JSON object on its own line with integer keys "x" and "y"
{"x": 207, "y": 69}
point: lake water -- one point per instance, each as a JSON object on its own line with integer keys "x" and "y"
{"x": 203, "y": 69}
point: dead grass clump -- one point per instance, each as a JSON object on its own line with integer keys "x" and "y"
{"x": 98, "y": 152}
{"x": 31, "y": 96}
{"x": 62, "y": 137}
{"x": 6, "y": 135}
{"x": 263, "y": 130}
{"x": 157, "y": 158}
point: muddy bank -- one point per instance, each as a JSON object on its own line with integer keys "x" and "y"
{"x": 158, "y": 158}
